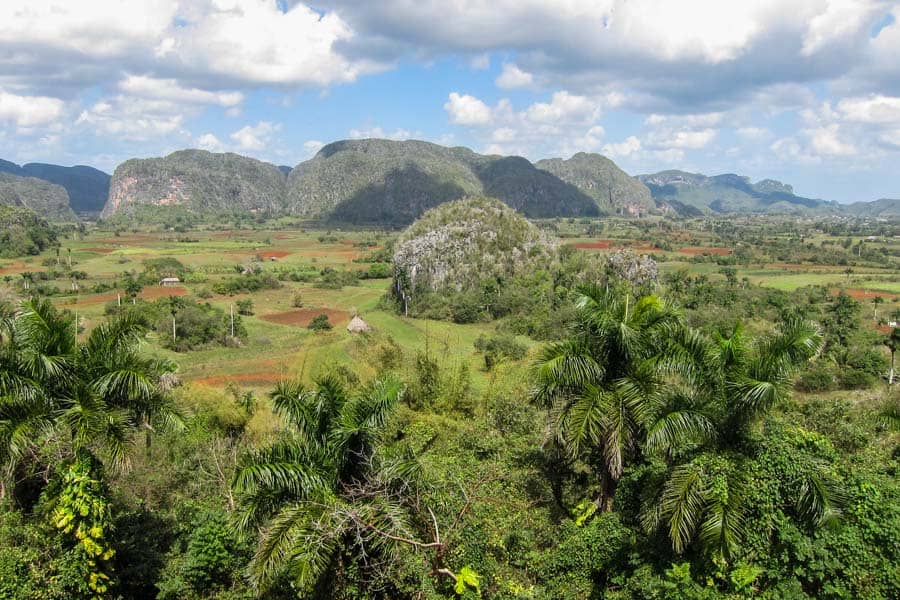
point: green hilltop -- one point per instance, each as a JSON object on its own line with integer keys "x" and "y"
{"x": 200, "y": 181}
{"x": 392, "y": 182}
{"x": 46, "y": 199}
{"x": 694, "y": 194}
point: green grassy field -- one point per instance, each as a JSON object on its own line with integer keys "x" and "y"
{"x": 275, "y": 350}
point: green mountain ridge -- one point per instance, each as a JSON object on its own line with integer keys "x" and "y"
{"x": 87, "y": 187}
{"x": 614, "y": 191}
{"x": 46, "y": 199}
{"x": 393, "y": 182}
{"x": 729, "y": 193}
{"x": 198, "y": 180}
{"x": 883, "y": 208}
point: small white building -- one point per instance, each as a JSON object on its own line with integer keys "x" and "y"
{"x": 169, "y": 281}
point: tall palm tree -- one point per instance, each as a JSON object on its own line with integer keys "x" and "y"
{"x": 893, "y": 343}
{"x": 93, "y": 396}
{"x": 738, "y": 380}
{"x": 324, "y": 486}
{"x": 601, "y": 384}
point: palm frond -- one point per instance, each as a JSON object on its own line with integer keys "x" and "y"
{"x": 676, "y": 427}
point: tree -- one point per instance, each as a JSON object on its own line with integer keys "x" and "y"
{"x": 893, "y": 343}
{"x": 600, "y": 383}
{"x": 320, "y": 323}
{"x": 92, "y": 397}
{"x": 735, "y": 381}
{"x": 323, "y": 496}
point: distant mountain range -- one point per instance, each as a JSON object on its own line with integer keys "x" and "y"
{"x": 87, "y": 187}
{"x": 693, "y": 193}
{"x": 391, "y": 183}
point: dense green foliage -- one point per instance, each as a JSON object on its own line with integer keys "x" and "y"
{"x": 44, "y": 198}
{"x": 22, "y": 232}
{"x": 198, "y": 181}
{"x": 393, "y": 183}
{"x": 614, "y": 191}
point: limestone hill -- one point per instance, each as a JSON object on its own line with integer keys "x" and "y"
{"x": 48, "y": 200}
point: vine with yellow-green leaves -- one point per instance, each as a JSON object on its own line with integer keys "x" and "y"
{"x": 83, "y": 512}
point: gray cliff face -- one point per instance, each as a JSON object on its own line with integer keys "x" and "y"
{"x": 199, "y": 181}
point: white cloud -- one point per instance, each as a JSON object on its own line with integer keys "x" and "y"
{"x": 871, "y": 109}
{"x": 135, "y": 119}
{"x": 754, "y": 133}
{"x": 626, "y": 147}
{"x": 513, "y": 77}
{"x": 564, "y": 108}
{"x": 312, "y": 146}
{"x": 29, "y": 111}
{"x": 826, "y": 141}
{"x": 255, "y": 137}
{"x": 210, "y": 142}
{"x": 170, "y": 89}
{"x": 378, "y": 132}
{"x": 467, "y": 110}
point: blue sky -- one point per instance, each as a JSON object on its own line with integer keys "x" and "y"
{"x": 804, "y": 91}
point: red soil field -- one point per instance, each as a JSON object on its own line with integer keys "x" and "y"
{"x": 14, "y": 268}
{"x": 99, "y": 250}
{"x": 274, "y": 253}
{"x": 247, "y": 378}
{"x": 698, "y": 250}
{"x": 152, "y": 293}
{"x": 858, "y": 294}
{"x": 598, "y": 245}
{"x": 304, "y": 316}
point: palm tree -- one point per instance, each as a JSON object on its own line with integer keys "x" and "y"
{"x": 91, "y": 397}
{"x": 325, "y": 486}
{"x": 893, "y": 343}
{"x": 738, "y": 381}
{"x": 600, "y": 384}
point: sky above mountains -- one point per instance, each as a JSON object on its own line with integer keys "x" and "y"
{"x": 806, "y": 91}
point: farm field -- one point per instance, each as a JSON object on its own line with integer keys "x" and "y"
{"x": 279, "y": 344}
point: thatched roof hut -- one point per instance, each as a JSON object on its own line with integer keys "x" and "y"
{"x": 357, "y": 325}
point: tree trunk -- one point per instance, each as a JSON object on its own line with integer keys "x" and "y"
{"x": 891, "y": 374}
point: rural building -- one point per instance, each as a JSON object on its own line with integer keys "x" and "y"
{"x": 169, "y": 281}
{"x": 357, "y": 325}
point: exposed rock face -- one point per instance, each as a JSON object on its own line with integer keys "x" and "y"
{"x": 729, "y": 193}
{"x": 199, "y": 181}
{"x": 462, "y": 243}
{"x": 614, "y": 191}
{"x": 390, "y": 182}
{"x": 48, "y": 200}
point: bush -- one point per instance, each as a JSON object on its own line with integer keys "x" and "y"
{"x": 817, "y": 378}
{"x": 245, "y": 307}
{"x": 320, "y": 323}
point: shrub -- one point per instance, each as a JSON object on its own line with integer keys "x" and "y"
{"x": 320, "y": 323}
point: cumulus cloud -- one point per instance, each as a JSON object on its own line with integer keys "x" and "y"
{"x": 133, "y": 119}
{"x": 567, "y": 123}
{"x": 513, "y": 77}
{"x": 210, "y": 142}
{"x": 378, "y": 132}
{"x": 464, "y": 109}
{"x": 29, "y": 111}
{"x": 626, "y": 147}
{"x": 665, "y": 54}
{"x": 255, "y": 137}
{"x": 169, "y": 89}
